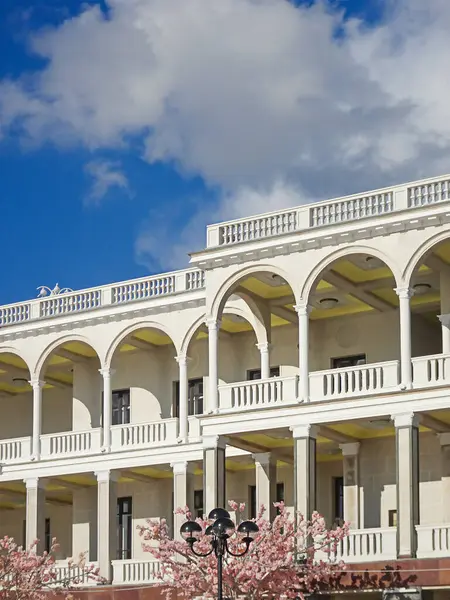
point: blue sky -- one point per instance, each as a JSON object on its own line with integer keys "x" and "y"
{"x": 116, "y": 148}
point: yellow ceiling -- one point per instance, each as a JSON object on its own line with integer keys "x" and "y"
{"x": 265, "y": 290}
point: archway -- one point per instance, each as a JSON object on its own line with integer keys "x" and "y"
{"x": 16, "y": 396}
{"x": 429, "y": 280}
{"x": 353, "y": 321}
{"x": 144, "y": 375}
{"x": 72, "y": 392}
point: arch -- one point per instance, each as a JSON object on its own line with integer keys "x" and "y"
{"x": 417, "y": 258}
{"x": 307, "y": 287}
{"x": 226, "y": 288}
{"x": 41, "y": 362}
{"x": 255, "y": 319}
{"x": 130, "y": 329}
{"x": 18, "y": 353}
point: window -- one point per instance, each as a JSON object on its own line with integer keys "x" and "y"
{"x": 392, "y": 518}
{"x": 195, "y": 397}
{"x": 198, "y": 503}
{"x": 256, "y": 373}
{"x": 48, "y": 536}
{"x": 338, "y": 499}
{"x": 124, "y": 525}
{"x": 344, "y": 362}
{"x": 252, "y": 498}
{"x": 121, "y": 407}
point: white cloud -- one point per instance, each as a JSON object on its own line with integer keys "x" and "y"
{"x": 105, "y": 175}
{"x": 247, "y": 93}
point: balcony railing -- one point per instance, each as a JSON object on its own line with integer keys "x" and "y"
{"x": 15, "y": 450}
{"x": 70, "y": 443}
{"x": 261, "y": 393}
{"x": 365, "y": 545}
{"x": 135, "y": 571}
{"x": 73, "y": 575}
{"x": 431, "y": 371}
{"x": 109, "y": 295}
{"x": 330, "y": 212}
{"x": 362, "y": 380}
{"x": 433, "y": 541}
{"x": 141, "y": 435}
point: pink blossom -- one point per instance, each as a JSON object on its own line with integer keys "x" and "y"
{"x": 270, "y": 570}
{"x": 26, "y": 575}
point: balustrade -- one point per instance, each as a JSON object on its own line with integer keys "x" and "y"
{"x": 258, "y": 393}
{"x": 144, "y": 434}
{"x": 433, "y": 541}
{"x": 362, "y": 380}
{"x": 135, "y": 571}
{"x": 70, "y": 443}
{"x": 365, "y": 545}
{"x": 430, "y": 371}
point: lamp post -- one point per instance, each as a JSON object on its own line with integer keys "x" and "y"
{"x": 220, "y": 531}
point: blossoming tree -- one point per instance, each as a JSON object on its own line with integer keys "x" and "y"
{"x": 26, "y": 575}
{"x": 288, "y": 558}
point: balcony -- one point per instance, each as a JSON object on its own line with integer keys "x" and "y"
{"x": 367, "y": 545}
{"x": 144, "y": 435}
{"x": 433, "y": 541}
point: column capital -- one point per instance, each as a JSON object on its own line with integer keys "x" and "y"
{"x": 263, "y": 346}
{"x": 409, "y": 419}
{"x": 183, "y": 359}
{"x": 303, "y": 309}
{"x": 304, "y": 431}
{"x": 211, "y": 442}
{"x": 350, "y": 448}
{"x": 213, "y": 324}
{"x": 107, "y": 476}
{"x": 106, "y": 372}
{"x": 36, "y": 383}
{"x": 35, "y": 483}
{"x": 263, "y": 458}
{"x": 182, "y": 467}
{"x": 404, "y": 292}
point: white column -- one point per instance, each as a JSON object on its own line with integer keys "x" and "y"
{"x": 404, "y": 295}
{"x": 35, "y": 513}
{"x": 183, "y": 493}
{"x": 214, "y": 472}
{"x": 213, "y": 343}
{"x": 106, "y": 522}
{"x": 444, "y": 286}
{"x": 304, "y": 469}
{"x": 182, "y": 361}
{"x": 444, "y": 439}
{"x": 264, "y": 349}
{"x": 303, "y": 311}
{"x": 266, "y": 483}
{"x": 107, "y": 408}
{"x": 350, "y": 455}
{"x": 37, "y": 385}
{"x": 407, "y": 455}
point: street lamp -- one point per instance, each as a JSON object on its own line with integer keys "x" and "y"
{"x": 220, "y": 531}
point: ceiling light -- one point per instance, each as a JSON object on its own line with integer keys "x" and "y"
{"x": 379, "y": 423}
{"x": 421, "y": 288}
{"x": 19, "y": 381}
{"x": 373, "y": 262}
{"x": 277, "y": 279}
{"x": 328, "y": 303}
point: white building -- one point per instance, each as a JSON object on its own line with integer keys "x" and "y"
{"x": 305, "y": 355}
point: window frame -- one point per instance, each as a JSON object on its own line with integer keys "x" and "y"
{"x": 124, "y": 551}
{"x": 355, "y": 360}
{"x": 195, "y": 401}
{"x": 251, "y": 373}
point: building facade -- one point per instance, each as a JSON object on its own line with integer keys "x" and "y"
{"x": 304, "y": 356}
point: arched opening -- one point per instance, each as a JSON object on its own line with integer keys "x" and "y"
{"x": 144, "y": 372}
{"x": 354, "y": 328}
{"x": 16, "y": 396}
{"x": 430, "y": 303}
{"x": 259, "y": 303}
{"x": 71, "y": 396}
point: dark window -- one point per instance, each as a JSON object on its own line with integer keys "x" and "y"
{"x": 195, "y": 397}
{"x": 392, "y": 516}
{"x": 252, "y": 497}
{"x": 124, "y": 525}
{"x": 256, "y": 373}
{"x": 338, "y": 499}
{"x": 121, "y": 407}
{"x": 48, "y": 536}
{"x": 198, "y": 504}
{"x": 344, "y": 362}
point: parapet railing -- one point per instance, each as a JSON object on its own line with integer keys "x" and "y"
{"x": 330, "y": 212}
{"x": 109, "y": 295}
